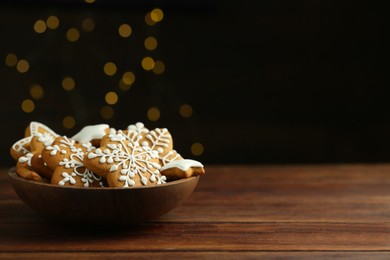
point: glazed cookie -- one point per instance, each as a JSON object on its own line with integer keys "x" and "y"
{"x": 38, "y": 143}
{"x": 22, "y": 147}
{"x": 25, "y": 170}
{"x": 183, "y": 168}
{"x": 31, "y": 165}
{"x": 92, "y": 133}
{"x": 65, "y": 157}
{"x": 124, "y": 162}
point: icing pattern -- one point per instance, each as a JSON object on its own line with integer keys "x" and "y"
{"x": 26, "y": 158}
{"x": 74, "y": 162}
{"x": 159, "y": 139}
{"x": 90, "y": 133}
{"x": 129, "y": 159}
{"x": 35, "y": 129}
{"x": 138, "y": 128}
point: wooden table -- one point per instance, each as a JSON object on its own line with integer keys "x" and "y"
{"x": 235, "y": 212}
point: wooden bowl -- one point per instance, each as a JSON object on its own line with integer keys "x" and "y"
{"x": 112, "y": 206}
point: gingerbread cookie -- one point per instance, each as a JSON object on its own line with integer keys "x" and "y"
{"x": 92, "y": 133}
{"x": 31, "y": 165}
{"x": 65, "y": 157}
{"x": 183, "y": 168}
{"x": 124, "y": 162}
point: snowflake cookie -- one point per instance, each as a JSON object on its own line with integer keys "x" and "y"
{"x": 124, "y": 162}
{"x": 65, "y": 157}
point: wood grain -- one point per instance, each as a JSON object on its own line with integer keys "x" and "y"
{"x": 235, "y": 211}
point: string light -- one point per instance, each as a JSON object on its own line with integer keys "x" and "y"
{"x": 11, "y": 60}
{"x": 185, "y": 111}
{"x": 111, "y": 98}
{"x": 197, "y": 149}
{"x": 22, "y": 66}
{"x": 153, "y": 114}
{"x": 124, "y": 30}
{"x": 156, "y": 15}
{"x": 69, "y": 122}
{"x": 40, "y": 26}
{"x": 52, "y": 22}
{"x": 68, "y": 83}
{"x": 36, "y": 91}
{"x": 148, "y": 20}
{"x": 107, "y": 112}
{"x": 73, "y": 35}
{"x": 128, "y": 78}
{"x": 110, "y": 68}
{"x": 147, "y": 63}
{"x": 28, "y": 105}
{"x": 159, "y": 67}
{"x": 88, "y": 25}
{"x": 123, "y": 86}
{"x": 150, "y": 43}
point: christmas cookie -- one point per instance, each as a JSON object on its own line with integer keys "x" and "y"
{"x": 92, "y": 133}
{"x": 65, "y": 157}
{"x": 31, "y": 165}
{"x": 22, "y": 147}
{"x": 124, "y": 162}
{"x": 183, "y": 168}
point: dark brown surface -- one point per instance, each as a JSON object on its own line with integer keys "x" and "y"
{"x": 235, "y": 212}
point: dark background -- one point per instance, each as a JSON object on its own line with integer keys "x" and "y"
{"x": 268, "y": 81}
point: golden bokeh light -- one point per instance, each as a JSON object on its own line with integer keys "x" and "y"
{"x": 22, "y": 66}
{"x": 111, "y": 98}
{"x": 150, "y": 43}
{"x": 52, "y": 22}
{"x": 148, "y": 19}
{"x": 159, "y": 67}
{"x": 36, "y": 91}
{"x": 185, "y": 111}
{"x": 156, "y": 15}
{"x": 128, "y": 78}
{"x": 28, "y": 105}
{"x": 197, "y": 149}
{"x": 107, "y": 112}
{"x": 153, "y": 114}
{"x": 147, "y": 63}
{"x": 11, "y": 60}
{"x": 73, "y": 35}
{"x": 40, "y": 26}
{"x": 110, "y": 68}
{"x": 124, "y": 30}
{"x": 68, "y": 83}
{"x": 88, "y": 25}
{"x": 69, "y": 122}
{"x": 89, "y": 1}
{"x": 123, "y": 86}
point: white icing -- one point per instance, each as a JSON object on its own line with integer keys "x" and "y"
{"x": 34, "y": 131}
{"x": 160, "y": 138}
{"x": 170, "y": 156}
{"x": 90, "y": 133}
{"x": 131, "y": 159}
{"x": 27, "y": 158}
{"x": 45, "y": 138}
{"x": 138, "y": 128}
{"x": 183, "y": 164}
{"x": 19, "y": 145}
{"x": 75, "y": 162}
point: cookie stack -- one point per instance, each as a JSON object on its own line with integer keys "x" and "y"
{"x": 100, "y": 156}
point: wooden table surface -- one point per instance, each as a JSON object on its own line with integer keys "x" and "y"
{"x": 234, "y": 212}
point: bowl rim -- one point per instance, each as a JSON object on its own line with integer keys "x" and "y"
{"x": 12, "y": 174}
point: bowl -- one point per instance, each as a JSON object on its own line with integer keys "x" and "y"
{"x": 112, "y": 206}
